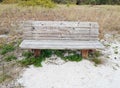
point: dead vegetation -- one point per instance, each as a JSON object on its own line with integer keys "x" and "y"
{"x": 108, "y": 17}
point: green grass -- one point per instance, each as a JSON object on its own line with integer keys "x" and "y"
{"x": 75, "y": 57}
{"x": 10, "y": 58}
{"x": 36, "y": 61}
{"x": 27, "y": 54}
{"x": 31, "y": 61}
{"x": 7, "y": 48}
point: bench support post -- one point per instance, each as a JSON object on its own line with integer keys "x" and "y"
{"x": 85, "y": 53}
{"x": 36, "y": 52}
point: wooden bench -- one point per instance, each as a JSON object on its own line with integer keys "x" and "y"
{"x": 61, "y": 35}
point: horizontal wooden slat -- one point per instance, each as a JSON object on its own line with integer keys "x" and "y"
{"x": 50, "y": 44}
{"x": 58, "y": 28}
{"x": 61, "y": 24}
{"x": 54, "y": 34}
{"x": 60, "y": 36}
{"x": 53, "y": 38}
{"x": 63, "y": 31}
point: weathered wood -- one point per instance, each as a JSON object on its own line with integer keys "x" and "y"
{"x": 60, "y": 44}
{"x": 84, "y": 53}
{"x": 61, "y": 24}
{"x": 61, "y": 35}
{"x": 52, "y": 38}
{"x": 61, "y": 30}
{"x": 36, "y": 52}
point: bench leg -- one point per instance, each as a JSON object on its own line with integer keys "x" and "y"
{"x": 85, "y": 53}
{"x": 36, "y": 52}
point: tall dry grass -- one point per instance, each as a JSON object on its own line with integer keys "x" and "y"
{"x": 107, "y": 16}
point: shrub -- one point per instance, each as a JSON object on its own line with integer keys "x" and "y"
{"x": 10, "y": 58}
{"x": 7, "y": 48}
{"x": 10, "y": 1}
{"x": 43, "y": 3}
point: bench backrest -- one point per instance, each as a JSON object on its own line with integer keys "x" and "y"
{"x": 61, "y": 30}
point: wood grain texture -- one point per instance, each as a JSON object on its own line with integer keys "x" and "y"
{"x": 61, "y": 24}
{"x": 55, "y": 44}
{"x": 60, "y": 35}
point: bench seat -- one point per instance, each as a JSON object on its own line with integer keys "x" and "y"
{"x": 60, "y": 44}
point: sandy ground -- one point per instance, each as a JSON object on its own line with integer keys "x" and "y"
{"x": 82, "y": 74}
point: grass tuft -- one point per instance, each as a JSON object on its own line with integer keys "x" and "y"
{"x": 27, "y": 54}
{"x": 10, "y": 58}
{"x": 36, "y": 61}
{"x": 7, "y": 48}
{"x": 97, "y": 61}
{"x": 75, "y": 57}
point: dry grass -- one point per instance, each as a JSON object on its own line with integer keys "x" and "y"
{"x": 107, "y": 16}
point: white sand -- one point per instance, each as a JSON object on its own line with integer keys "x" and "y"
{"x": 76, "y": 75}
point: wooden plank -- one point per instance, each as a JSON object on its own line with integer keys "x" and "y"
{"x": 59, "y": 35}
{"x": 51, "y": 38}
{"x": 50, "y": 44}
{"x": 60, "y": 31}
{"x": 61, "y": 24}
{"x": 61, "y": 38}
{"x": 59, "y": 28}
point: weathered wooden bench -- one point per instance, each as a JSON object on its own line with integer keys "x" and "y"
{"x": 61, "y": 35}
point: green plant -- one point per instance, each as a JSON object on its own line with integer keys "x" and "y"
{"x": 46, "y": 53}
{"x": 31, "y": 61}
{"x": 59, "y": 53}
{"x": 97, "y": 61}
{"x": 27, "y": 54}
{"x": 74, "y": 57}
{"x": 116, "y": 52}
{"x": 36, "y": 61}
{"x": 10, "y": 58}
{"x": 7, "y": 48}
{"x": 96, "y": 54}
{"x": 43, "y": 3}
